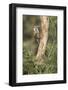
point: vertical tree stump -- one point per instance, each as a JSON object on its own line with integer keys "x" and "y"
{"x": 43, "y": 38}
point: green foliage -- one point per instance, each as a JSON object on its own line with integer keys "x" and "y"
{"x": 50, "y": 57}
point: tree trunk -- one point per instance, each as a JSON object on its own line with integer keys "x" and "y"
{"x": 43, "y": 37}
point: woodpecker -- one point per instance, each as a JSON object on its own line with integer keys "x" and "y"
{"x": 36, "y": 30}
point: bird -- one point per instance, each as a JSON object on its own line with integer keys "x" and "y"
{"x": 36, "y": 30}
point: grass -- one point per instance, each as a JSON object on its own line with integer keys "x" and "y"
{"x": 49, "y": 65}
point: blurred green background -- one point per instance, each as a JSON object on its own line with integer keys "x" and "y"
{"x": 29, "y": 47}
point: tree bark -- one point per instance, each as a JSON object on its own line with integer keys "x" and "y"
{"x": 43, "y": 37}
